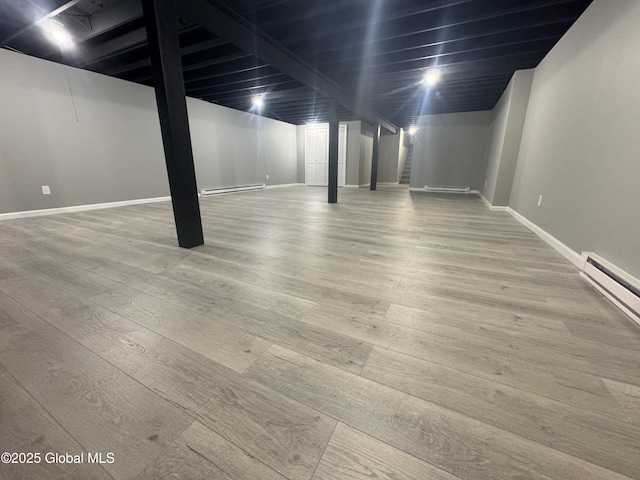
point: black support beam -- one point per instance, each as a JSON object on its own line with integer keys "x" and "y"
{"x": 162, "y": 34}
{"x": 333, "y": 151}
{"x": 374, "y": 157}
{"x": 215, "y": 16}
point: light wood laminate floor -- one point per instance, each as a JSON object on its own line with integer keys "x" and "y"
{"x": 389, "y": 336}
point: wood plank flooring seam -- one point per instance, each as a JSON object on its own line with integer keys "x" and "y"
{"x": 55, "y": 420}
{"x": 448, "y": 406}
{"x": 421, "y": 400}
{"x": 324, "y": 450}
{"x": 151, "y": 390}
{"x": 564, "y": 367}
{"x": 163, "y": 451}
{"x": 339, "y": 420}
{"x": 241, "y": 327}
{"x": 390, "y": 475}
{"x": 495, "y": 381}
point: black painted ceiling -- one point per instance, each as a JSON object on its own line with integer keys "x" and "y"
{"x": 378, "y": 50}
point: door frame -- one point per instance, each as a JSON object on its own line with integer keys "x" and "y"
{"x": 342, "y": 163}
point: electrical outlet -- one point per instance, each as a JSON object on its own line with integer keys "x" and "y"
{"x": 485, "y": 184}
{"x": 540, "y": 200}
{"x": 267, "y": 176}
{"x": 46, "y": 190}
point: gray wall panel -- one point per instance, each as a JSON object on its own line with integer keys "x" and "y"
{"x": 508, "y": 119}
{"x": 388, "y": 157}
{"x": 113, "y": 151}
{"x": 451, "y": 149}
{"x": 353, "y": 152}
{"x": 366, "y": 153}
{"x": 581, "y": 147}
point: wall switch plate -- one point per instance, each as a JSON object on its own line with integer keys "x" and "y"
{"x": 46, "y": 190}
{"x": 540, "y": 200}
{"x": 267, "y": 176}
{"x": 485, "y": 184}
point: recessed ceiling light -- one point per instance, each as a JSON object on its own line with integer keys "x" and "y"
{"x": 56, "y": 33}
{"x": 257, "y": 101}
{"x": 412, "y": 130}
{"x": 431, "y": 76}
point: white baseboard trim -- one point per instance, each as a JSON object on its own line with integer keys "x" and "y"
{"x": 352, "y": 186}
{"x": 416, "y": 189}
{"x": 491, "y": 207}
{"x": 568, "y": 253}
{"x": 387, "y": 183}
{"x": 364, "y": 185}
{"x": 80, "y": 208}
{"x": 575, "y": 258}
{"x": 571, "y": 255}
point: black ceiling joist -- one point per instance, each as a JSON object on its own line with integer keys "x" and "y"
{"x": 145, "y": 62}
{"x": 378, "y": 50}
{"x": 225, "y": 23}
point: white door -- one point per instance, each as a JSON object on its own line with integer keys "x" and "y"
{"x": 316, "y": 153}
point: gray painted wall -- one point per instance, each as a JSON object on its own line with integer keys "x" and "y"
{"x": 237, "y": 148}
{"x": 451, "y": 149}
{"x": 500, "y": 116}
{"x": 114, "y": 151}
{"x": 366, "y": 153}
{"x": 392, "y": 157}
{"x": 300, "y": 152}
{"x": 581, "y": 143}
{"x": 388, "y": 157}
{"x": 404, "y": 152}
{"x": 353, "y": 151}
{"x": 508, "y": 117}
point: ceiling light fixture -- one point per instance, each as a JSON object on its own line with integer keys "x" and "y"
{"x": 431, "y": 76}
{"x": 412, "y": 130}
{"x": 56, "y": 33}
{"x": 257, "y": 101}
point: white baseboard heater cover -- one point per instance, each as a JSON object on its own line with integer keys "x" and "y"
{"x": 446, "y": 189}
{"x": 207, "y": 192}
{"x": 615, "y": 284}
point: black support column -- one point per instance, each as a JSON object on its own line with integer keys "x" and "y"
{"x": 374, "y": 158}
{"x": 333, "y": 151}
{"x": 164, "y": 50}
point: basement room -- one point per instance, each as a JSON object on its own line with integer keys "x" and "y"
{"x": 319, "y": 240}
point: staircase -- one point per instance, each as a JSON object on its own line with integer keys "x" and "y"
{"x": 406, "y": 173}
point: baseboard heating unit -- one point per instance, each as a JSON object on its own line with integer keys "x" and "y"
{"x": 207, "y": 192}
{"x": 446, "y": 189}
{"x": 615, "y": 284}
